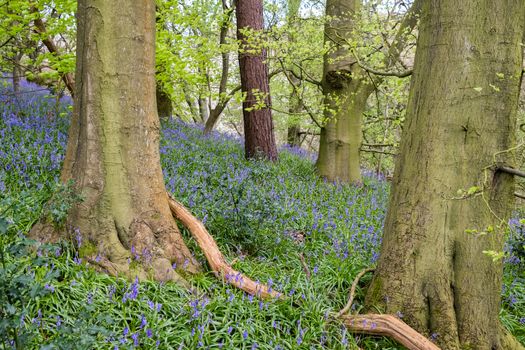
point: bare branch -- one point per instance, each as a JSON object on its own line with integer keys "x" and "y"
{"x": 40, "y": 28}
{"x": 348, "y": 305}
{"x": 511, "y": 171}
{"x": 402, "y": 74}
{"x": 294, "y": 87}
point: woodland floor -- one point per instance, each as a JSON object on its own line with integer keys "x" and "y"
{"x": 301, "y": 235}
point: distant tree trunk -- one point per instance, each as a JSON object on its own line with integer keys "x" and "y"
{"x": 113, "y": 148}
{"x": 17, "y": 72}
{"x": 204, "y": 111}
{"x": 345, "y": 94}
{"x": 346, "y": 88}
{"x": 296, "y": 106}
{"x": 164, "y": 105}
{"x": 258, "y": 123}
{"x": 215, "y": 113}
{"x": 294, "y": 135}
{"x": 460, "y": 127}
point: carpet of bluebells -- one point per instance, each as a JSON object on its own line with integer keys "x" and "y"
{"x": 278, "y": 222}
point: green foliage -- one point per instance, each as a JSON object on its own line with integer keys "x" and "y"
{"x": 57, "y": 207}
{"x": 24, "y": 42}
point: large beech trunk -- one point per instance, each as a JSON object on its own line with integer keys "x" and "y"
{"x": 113, "y": 148}
{"x": 460, "y": 126}
{"x": 258, "y": 124}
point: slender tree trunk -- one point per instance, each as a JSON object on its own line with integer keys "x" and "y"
{"x": 296, "y": 106}
{"x": 215, "y": 113}
{"x": 17, "y": 72}
{"x": 461, "y": 122}
{"x": 204, "y": 111}
{"x": 113, "y": 148}
{"x": 258, "y": 123}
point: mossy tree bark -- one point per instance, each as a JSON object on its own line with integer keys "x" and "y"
{"x": 113, "y": 148}
{"x": 346, "y": 88}
{"x": 460, "y": 126}
{"x": 341, "y": 134}
{"x": 259, "y": 139}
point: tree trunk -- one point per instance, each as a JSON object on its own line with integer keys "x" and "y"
{"x": 215, "y": 113}
{"x": 345, "y": 94}
{"x": 17, "y": 72}
{"x": 296, "y": 105}
{"x": 113, "y": 148}
{"x": 461, "y": 121}
{"x": 164, "y": 105}
{"x": 346, "y": 88}
{"x": 259, "y": 140}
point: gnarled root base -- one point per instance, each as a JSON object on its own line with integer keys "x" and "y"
{"x": 159, "y": 270}
{"x": 155, "y": 268}
{"x": 393, "y": 327}
{"x": 214, "y": 257}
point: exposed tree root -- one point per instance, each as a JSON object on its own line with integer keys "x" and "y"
{"x": 352, "y": 292}
{"x": 382, "y": 325}
{"x": 390, "y": 326}
{"x": 508, "y": 341}
{"x": 159, "y": 270}
{"x": 216, "y": 260}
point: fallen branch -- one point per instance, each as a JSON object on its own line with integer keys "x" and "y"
{"x": 216, "y": 260}
{"x": 391, "y": 326}
{"x": 382, "y": 325}
{"x": 305, "y": 266}
{"x": 352, "y": 291}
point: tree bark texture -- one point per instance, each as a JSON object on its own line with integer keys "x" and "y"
{"x": 258, "y": 124}
{"x": 345, "y": 91}
{"x": 460, "y": 127}
{"x": 346, "y": 88}
{"x": 113, "y": 148}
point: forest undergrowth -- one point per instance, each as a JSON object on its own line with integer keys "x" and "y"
{"x": 277, "y": 223}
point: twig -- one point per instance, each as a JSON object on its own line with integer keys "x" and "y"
{"x": 402, "y": 74}
{"x": 519, "y": 195}
{"x": 352, "y": 291}
{"x": 305, "y": 266}
{"x": 511, "y": 171}
{"x": 376, "y": 151}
